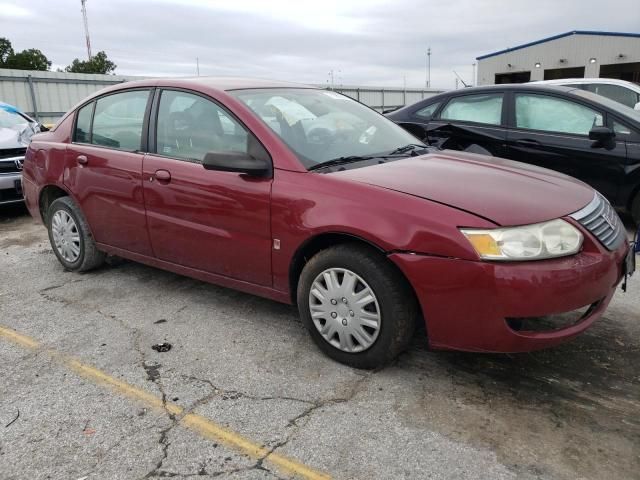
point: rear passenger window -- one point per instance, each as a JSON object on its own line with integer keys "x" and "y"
{"x": 118, "y": 119}
{"x": 190, "y": 126}
{"x": 475, "y": 108}
{"x": 83, "y": 124}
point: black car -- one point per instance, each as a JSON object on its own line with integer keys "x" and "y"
{"x": 566, "y": 129}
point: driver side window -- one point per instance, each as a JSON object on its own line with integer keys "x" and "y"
{"x": 189, "y": 126}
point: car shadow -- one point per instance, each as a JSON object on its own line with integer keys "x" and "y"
{"x": 12, "y": 211}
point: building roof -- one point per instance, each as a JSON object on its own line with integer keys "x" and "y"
{"x": 555, "y": 37}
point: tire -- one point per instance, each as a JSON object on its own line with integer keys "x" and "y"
{"x": 75, "y": 232}
{"x": 635, "y": 209}
{"x": 394, "y": 303}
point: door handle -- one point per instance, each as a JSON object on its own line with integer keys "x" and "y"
{"x": 82, "y": 159}
{"x": 163, "y": 176}
{"x": 527, "y": 142}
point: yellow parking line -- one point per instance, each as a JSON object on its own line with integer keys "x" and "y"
{"x": 202, "y": 425}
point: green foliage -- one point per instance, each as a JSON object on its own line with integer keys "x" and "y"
{"x": 6, "y": 51}
{"x": 99, "y": 63}
{"x": 31, "y": 59}
{"x": 34, "y": 59}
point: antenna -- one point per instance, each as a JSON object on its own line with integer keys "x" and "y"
{"x": 86, "y": 27}
{"x": 463, "y": 82}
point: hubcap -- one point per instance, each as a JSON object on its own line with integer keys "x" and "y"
{"x": 345, "y": 310}
{"x": 66, "y": 237}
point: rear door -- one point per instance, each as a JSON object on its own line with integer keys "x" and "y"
{"x": 472, "y": 122}
{"x": 553, "y": 132}
{"x": 218, "y": 222}
{"x": 104, "y": 166}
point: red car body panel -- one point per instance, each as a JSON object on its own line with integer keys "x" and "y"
{"x": 199, "y": 214}
{"x": 508, "y": 189}
{"x": 245, "y": 233}
{"x": 471, "y": 300}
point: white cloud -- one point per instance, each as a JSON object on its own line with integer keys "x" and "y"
{"x": 372, "y": 42}
{"x": 10, "y": 10}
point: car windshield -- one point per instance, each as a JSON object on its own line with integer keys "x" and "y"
{"x": 10, "y": 118}
{"x": 322, "y": 125}
{"x": 613, "y": 105}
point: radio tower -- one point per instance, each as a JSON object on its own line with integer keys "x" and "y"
{"x": 86, "y": 27}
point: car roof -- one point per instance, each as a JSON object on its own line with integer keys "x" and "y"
{"x": 484, "y": 89}
{"x": 607, "y": 81}
{"x": 217, "y": 83}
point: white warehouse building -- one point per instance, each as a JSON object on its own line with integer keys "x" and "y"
{"x": 576, "y": 54}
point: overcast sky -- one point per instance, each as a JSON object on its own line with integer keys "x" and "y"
{"x": 365, "y": 42}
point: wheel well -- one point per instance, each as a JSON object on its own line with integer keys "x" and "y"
{"x": 324, "y": 241}
{"x": 634, "y": 193}
{"x": 47, "y": 196}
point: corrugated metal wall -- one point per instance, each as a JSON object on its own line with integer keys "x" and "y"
{"x": 384, "y": 98}
{"x": 48, "y": 95}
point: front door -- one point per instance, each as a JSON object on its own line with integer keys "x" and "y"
{"x": 218, "y": 222}
{"x": 471, "y": 122}
{"x": 104, "y": 169}
{"x": 553, "y": 132}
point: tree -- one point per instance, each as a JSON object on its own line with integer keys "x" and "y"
{"x": 6, "y": 51}
{"x": 31, "y": 59}
{"x": 99, "y": 63}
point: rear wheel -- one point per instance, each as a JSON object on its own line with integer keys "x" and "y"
{"x": 356, "y": 305}
{"x": 70, "y": 236}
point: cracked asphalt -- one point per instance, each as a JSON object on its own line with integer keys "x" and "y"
{"x": 246, "y": 365}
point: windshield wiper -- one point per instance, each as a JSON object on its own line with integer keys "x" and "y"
{"x": 340, "y": 161}
{"x": 407, "y": 148}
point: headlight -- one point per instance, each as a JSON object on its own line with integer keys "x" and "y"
{"x": 556, "y": 238}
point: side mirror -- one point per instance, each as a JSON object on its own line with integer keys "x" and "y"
{"x": 238, "y": 162}
{"x": 601, "y": 134}
{"x": 637, "y": 106}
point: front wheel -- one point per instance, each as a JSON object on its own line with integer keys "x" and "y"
{"x": 71, "y": 238}
{"x": 356, "y": 305}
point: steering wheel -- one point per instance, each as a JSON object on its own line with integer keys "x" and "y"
{"x": 320, "y": 136}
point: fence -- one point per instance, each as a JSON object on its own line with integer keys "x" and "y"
{"x": 46, "y": 96}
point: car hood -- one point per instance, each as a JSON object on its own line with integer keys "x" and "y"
{"x": 502, "y": 191}
{"x": 11, "y": 138}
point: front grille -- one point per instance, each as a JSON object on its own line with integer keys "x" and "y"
{"x": 602, "y": 221}
{"x": 550, "y": 323}
{"x": 12, "y": 152}
{"x": 11, "y": 165}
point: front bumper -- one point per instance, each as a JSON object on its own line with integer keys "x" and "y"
{"x": 466, "y": 303}
{"x": 10, "y": 188}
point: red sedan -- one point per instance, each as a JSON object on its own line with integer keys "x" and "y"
{"x": 307, "y": 197}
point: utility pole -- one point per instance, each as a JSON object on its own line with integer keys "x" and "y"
{"x": 197, "y": 66}
{"x": 86, "y": 27}
{"x": 428, "y": 82}
{"x": 473, "y": 78}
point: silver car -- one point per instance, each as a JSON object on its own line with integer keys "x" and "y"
{"x": 16, "y": 130}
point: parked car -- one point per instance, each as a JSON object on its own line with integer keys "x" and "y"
{"x": 566, "y": 129}
{"x": 626, "y": 93}
{"x": 16, "y": 130}
{"x": 305, "y": 196}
